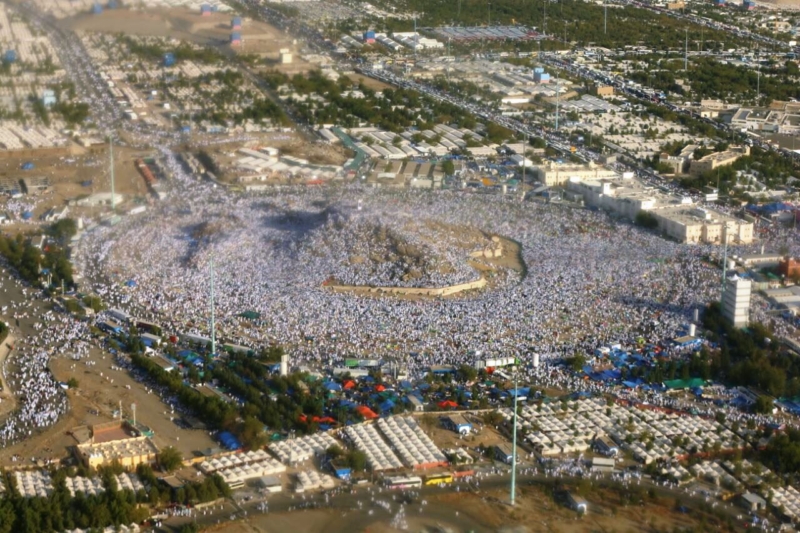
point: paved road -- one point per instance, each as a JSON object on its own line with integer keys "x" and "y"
{"x": 361, "y": 500}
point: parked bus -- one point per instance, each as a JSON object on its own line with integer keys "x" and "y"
{"x": 145, "y": 326}
{"x": 192, "y": 338}
{"x": 439, "y": 479}
{"x": 119, "y": 315}
{"x": 407, "y": 482}
{"x": 108, "y": 326}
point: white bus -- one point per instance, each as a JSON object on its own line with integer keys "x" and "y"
{"x": 119, "y": 315}
{"x": 403, "y": 482}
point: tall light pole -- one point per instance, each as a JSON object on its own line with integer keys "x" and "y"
{"x": 489, "y": 7}
{"x": 686, "y": 52}
{"x": 605, "y": 18}
{"x": 111, "y": 172}
{"x": 758, "y": 78}
{"x": 524, "y": 148}
{"x": 725, "y": 261}
{"x": 544, "y": 22}
{"x": 558, "y": 93}
{"x": 514, "y": 444}
{"x": 213, "y": 328}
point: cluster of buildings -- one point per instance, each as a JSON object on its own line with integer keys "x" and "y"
{"x": 398, "y": 41}
{"x": 780, "y": 117}
{"x": 487, "y": 33}
{"x": 126, "y": 443}
{"x": 591, "y": 424}
{"x": 677, "y": 217}
{"x": 265, "y": 163}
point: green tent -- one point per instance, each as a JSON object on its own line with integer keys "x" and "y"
{"x": 685, "y": 383}
{"x": 250, "y": 315}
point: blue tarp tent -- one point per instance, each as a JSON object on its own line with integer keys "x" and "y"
{"x": 130, "y": 283}
{"x": 332, "y": 386}
{"x": 27, "y": 166}
{"x": 229, "y": 441}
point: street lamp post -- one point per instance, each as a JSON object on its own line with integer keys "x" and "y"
{"x": 514, "y": 443}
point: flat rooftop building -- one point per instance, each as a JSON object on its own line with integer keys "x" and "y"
{"x": 677, "y": 217}
{"x": 128, "y": 452}
{"x": 552, "y": 173}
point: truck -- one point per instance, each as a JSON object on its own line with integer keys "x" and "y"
{"x": 109, "y": 326}
{"x": 499, "y": 362}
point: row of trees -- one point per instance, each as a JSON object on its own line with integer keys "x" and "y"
{"x": 114, "y": 507}
{"x": 584, "y": 22}
{"x": 28, "y": 260}
{"x": 770, "y": 167}
{"x": 396, "y": 110}
{"x": 751, "y": 358}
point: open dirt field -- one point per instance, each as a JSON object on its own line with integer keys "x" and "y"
{"x": 370, "y": 83}
{"x": 780, "y": 4}
{"x": 66, "y": 175}
{"x": 181, "y": 23}
{"x": 446, "y": 438}
{"x": 536, "y": 511}
{"x": 94, "y": 401}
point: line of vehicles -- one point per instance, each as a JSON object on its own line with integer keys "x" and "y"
{"x": 417, "y": 482}
{"x": 622, "y": 86}
{"x": 116, "y": 322}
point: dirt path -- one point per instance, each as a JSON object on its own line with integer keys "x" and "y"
{"x": 7, "y": 400}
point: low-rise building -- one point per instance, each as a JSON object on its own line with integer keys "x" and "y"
{"x": 753, "y": 502}
{"x": 716, "y": 160}
{"x": 503, "y": 452}
{"x": 552, "y": 173}
{"x": 789, "y": 267}
{"x": 695, "y": 225}
{"x": 128, "y": 452}
{"x": 676, "y": 217}
{"x": 457, "y": 423}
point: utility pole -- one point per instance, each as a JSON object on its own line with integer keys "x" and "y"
{"x": 725, "y": 263}
{"x": 111, "y": 171}
{"x": 758, "y": 78}
{"x": 416, "y": 43}
{"x": 514, "y": 443}
{"x": 213, "y": 331}
{"x": 605, "y": 18}
{"x": 686, "y": 52}
{"x": 544, "y": 23}
{"x": 489, "y": 4}
{"x": 524, "y": 148}
{"x": 558, "y": 93}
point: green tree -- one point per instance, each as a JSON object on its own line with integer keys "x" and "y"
{"x": 763, "y": 405}
{"x": 356, "y": 460}
{"x": 170, "y": 459}
{"x": 63, "y": 230}
{"x": 448, "y": 167}
{"x": 646, "y": 220}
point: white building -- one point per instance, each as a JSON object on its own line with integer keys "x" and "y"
{"x": 736, "y": 301}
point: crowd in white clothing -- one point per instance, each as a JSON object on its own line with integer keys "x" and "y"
{"x": 590, "y": 280}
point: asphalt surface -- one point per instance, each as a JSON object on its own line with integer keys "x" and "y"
{"x": 361, "y": 500}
